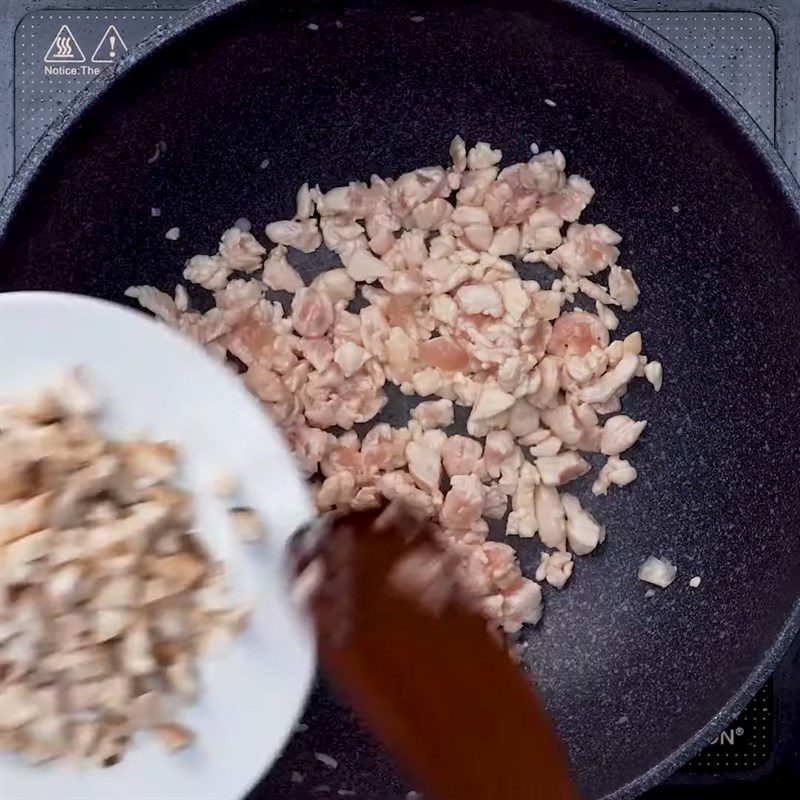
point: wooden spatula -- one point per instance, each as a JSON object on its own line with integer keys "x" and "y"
{"x": 419, "y": 666}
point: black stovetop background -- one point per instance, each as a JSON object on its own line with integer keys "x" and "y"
{"x": 758, "y": 755}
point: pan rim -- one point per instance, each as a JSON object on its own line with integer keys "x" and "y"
{"x": 668, "y": 53}
{"x": 597, "y": 10}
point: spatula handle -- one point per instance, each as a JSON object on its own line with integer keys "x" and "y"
{"x": 433, "y": 684}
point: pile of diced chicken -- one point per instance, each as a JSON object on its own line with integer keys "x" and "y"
{"x": 443, "y": 314}
{"x": 107, "y": 599}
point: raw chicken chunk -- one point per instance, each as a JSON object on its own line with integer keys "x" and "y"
{"x": 423, "y": 299}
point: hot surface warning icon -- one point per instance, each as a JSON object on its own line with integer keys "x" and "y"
{"x": 111, "y": 46}
{"x": 64, "y": 49}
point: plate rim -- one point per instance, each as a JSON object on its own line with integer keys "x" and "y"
{"x": 23, "y": 301}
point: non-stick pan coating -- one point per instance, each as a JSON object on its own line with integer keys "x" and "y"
{"x": 711, "y": 229}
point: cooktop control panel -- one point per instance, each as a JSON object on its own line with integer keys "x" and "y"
{"x": 55, "y": 52}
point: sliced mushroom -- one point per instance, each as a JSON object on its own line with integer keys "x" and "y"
{"x": 620, "y": 433}
{"x": 135, "y": 651}
{"x": 561, "y": 469}
{"x": 658, "y": 571}
{"x": 175, "y": 737}
{"x": 148, "y": 710}
{"x": 602, "y": 390}
{"x": 550, "y": 516}
{"x": 118, "y": 591}
{"x": 105, "y": 591}
{"x": 18, "y": 518}
{"x": 246, "y": 524}
{"x": 149, "y": 463}
{"x": 19, "y": 706}
{"x": 555, "y": 568}
{"x": 182, "y": 678}
{"x": 181, "y": 570}
{"x": 110, "y": 623}
{"x": 564, "y": 423}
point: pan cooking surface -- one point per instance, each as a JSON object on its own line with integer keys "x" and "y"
{"x": 629, "y": 679}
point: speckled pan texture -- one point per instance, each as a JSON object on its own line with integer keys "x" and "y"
{"x": 711, "y": 226}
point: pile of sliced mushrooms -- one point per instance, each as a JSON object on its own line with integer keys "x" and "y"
{"x": 108, "y": 598}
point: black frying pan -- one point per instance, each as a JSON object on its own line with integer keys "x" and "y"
{"x": 637, "y": 686}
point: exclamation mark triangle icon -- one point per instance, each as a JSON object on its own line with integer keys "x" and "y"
{"x": 64, "y": 49}
{"x": 110, "y": 48}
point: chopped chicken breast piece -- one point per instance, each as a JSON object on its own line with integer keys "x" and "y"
{"x": 361, "y": 265}
{"x": 424, "y": 300}
{"x": 588, "y": 249}
{"x": 498, "y": 448}
{"x": 336, "y": 284}
{"x": 425, "y": 466}
{"x": 495, "y": 502}
{"x": 350, "y": 358}
{"x": 522, "y": 604}
{"x": 523, "y": 419}
{"x": 522, "y": 522}
{"x": 312, "y": 313}
{"x": 210, "y": 272}
{"x": 657, "y": 571}
{"x": 480, "y": 300}
{"x": 19, "y": 518}
{"x": 175, "y": 737}
{"x": 482, "y": 156}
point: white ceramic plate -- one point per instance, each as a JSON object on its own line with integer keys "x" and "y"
{"x": 155, "y": 382}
